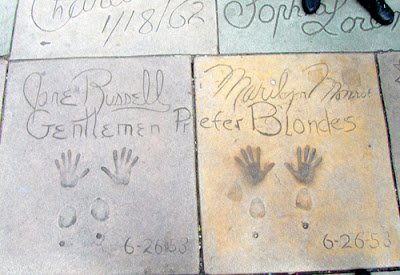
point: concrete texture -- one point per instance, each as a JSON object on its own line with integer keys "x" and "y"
{"x": 276, "y": 26}
{"x": 3, "y": 69}
{"x": 294, "y": 166}
{"x": 389, "y": 65}
{"x": 7, "y": 13}
{"x": 92, "y": 174}
{"x": 114, "y": 28}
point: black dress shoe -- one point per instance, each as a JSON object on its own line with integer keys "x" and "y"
{"x": 379, "y": 10}
{"x": 310, "y": 6}
{"x": 362, "y": 272}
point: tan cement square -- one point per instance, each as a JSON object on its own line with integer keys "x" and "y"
{"x": 92, "y": 178}
{"x": 3, "y": 70}
{"x": 389, "y": 66}
{"x": 269, "y": 201}
{"x": 70, "y": 28}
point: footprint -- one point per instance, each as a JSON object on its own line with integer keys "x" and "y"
{"x": 66, "y": 217}
{"x": 304, "y": 200}
{"x": 100, "y": 210}
{"x": 257, "y": 208}
{"x": 235, "y": 193}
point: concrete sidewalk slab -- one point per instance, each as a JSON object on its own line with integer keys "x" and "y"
{"x": 276, "y": 26}
{"x": 294, "y": 166}
{"x": 7, "y": 13}
{"x": 114, "y": 28}
{"x": 389, "y": 65}
{"x": 3, "y": 70}
{"x": 92, "y": 176}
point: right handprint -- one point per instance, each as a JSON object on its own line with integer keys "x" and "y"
{"x": 123, "y": 167}
{"x": 304, "y": 175}
{"x": 305, "y": 169}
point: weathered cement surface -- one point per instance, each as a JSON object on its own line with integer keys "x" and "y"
{"x": 3, "y": 69}
{"x": 114, "y": 28}
{"x": 270, "y": 203}
{"x": 7, "y": 13}
{"x": 279, "y": 26}
{"x": 92, "y": 176}
{"x": 387, "y": 273}
{"x": 389, "y": 65}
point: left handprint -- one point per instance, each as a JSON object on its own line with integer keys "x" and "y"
{"x": 68, "y": 175}
{"x": 251, "y": 166}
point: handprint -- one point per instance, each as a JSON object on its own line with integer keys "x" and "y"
{"x": 122, "y": 167}
{"x": 252, "y": 167}
{"x": 68, "y": 176}
{"x": 305, "y": 169}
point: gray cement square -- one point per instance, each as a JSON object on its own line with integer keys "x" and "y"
{"x": 3, "y": 70}
{"x": 49, "y": 29}
{"x": 279, "y": 26}
{"x": 97, "y": 167}
{"x": 7, "y": 13}
{"x": 294, "y": 165}
{"x": 389, "y": 65}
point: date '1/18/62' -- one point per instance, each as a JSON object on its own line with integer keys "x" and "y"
{"x": 158, "y": 247}
{"x": 360, "y": 240}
